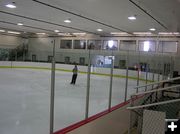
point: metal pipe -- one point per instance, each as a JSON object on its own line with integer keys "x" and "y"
{"x": 153, "y": 104}
{"x": 138, "y": 72}
{"x": 148, "y": 14}
{"x": 147, "y": 69}
{"x": 126, "y": 87}
{"x": 52, "y": 91}
{"x": 156, "y": 90}
{"x": 111, "y": 80}
{"x": 88, "y": 85}
{"x": 177, "y": 78}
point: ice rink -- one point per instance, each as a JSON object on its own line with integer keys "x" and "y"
{"x": 25, "y": 99}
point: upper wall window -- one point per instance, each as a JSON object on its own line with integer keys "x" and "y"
{"x": 79, "y": 44}
{"x": 66, "y": 44}
{"x": 110, "y": 45}
{"x": 94, "y": 44}
{"x": 128, "y": 45}
{"x": 168, "y": 46}
{"x": 147, "y": 46}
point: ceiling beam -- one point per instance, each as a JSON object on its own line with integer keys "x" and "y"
{"x": 142, "y": 9}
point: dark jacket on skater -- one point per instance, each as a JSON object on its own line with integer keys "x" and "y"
{"x": 74, "y": 76}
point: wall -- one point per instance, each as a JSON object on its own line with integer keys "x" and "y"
{"x": 10, "y": 41}
{"x": 42, "y": 48}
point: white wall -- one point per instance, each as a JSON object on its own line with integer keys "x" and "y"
{"x": 10, "y": 41}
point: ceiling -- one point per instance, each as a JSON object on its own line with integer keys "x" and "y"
{"x": 89, "y": 15}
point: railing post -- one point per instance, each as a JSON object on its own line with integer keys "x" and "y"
{"x": 88, "y": 85}
{"x": 52, "y": 91}
{"x": 126, "y": 87}
{"x": 111, "y": 80}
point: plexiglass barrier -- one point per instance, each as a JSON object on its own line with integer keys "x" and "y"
{"x": 105, "y": 78}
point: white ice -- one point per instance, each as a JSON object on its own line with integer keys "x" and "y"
{"x": 25, "y": 99}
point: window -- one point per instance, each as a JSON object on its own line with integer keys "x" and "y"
{"x": 147, "y": 46}
{"x": 94, "y": 44}
{"x": 110, "y": 45}
{"x": 79, "y": 44}
{"x": 66, "y": 44}
{"x": 168, "y": 46}
{"x": 128, "y": 45}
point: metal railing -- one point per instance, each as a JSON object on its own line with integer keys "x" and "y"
{"x": 153, "y": 100}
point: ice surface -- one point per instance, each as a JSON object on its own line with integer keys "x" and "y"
{"x": 25, "y": 99}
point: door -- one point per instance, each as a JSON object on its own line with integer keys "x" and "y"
{"x": 49, "y": 58}
{"x": 122, "y": 64}
{"x": 82, "y": 61}
{"x": 33, "y": 57}
{"x": 67, "y": 60}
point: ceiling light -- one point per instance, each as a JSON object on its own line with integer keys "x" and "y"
{"x": 99, "y": 30}
{"x": 64, "y": 34}
{"x": 11, "y": 5}
{"x": 176, "y": 33}
{"x": 67, "y": 21}
{"x": 118, "y": 33}
{"x": 81, "y": 34}
{"x": 12, "y": 32}
{"x": 20, "y": 24}
{"x": 152, "y": 29}
{"x": 41, "y": 33}
{"x": 2, "y": 30}
{"x": 132, "y": 17}
{"x": 56, "y": 31}
{"x": 168, "y": 33}
{"x": 141, "y": 33}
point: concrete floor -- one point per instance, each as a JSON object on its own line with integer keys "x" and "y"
{"x": 25, "y": 99}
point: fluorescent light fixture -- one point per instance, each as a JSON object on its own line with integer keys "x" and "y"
{"x": 64, "y": 34}
{"x": 2, "y": 31}
{"x": 142, "y": 33}
{"x": 56, "y": 31}
{"x": 152, "y": 29}
{"x": 11, "y": 5}
{"x": 67, "y": 21}
{"x": 118, "y": 33}
{"x": 40, "y": 33}
{"x": 146, "y": 46}
{"x": 168, "y": 33}
{"x": 110, "y": 43}
{"x": 132, "y": 17}
{"x": 20, "y": 24}
{"x": 81, "y": 34}
{"x": 12, "y": 32}
{"x": 176, "y": 33}
{"x": 99, "y": 30}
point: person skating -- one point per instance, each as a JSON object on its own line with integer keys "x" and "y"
{"x": 74, "y": 76}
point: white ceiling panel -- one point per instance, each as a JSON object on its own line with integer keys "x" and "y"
{"x": 88, "y": 15}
